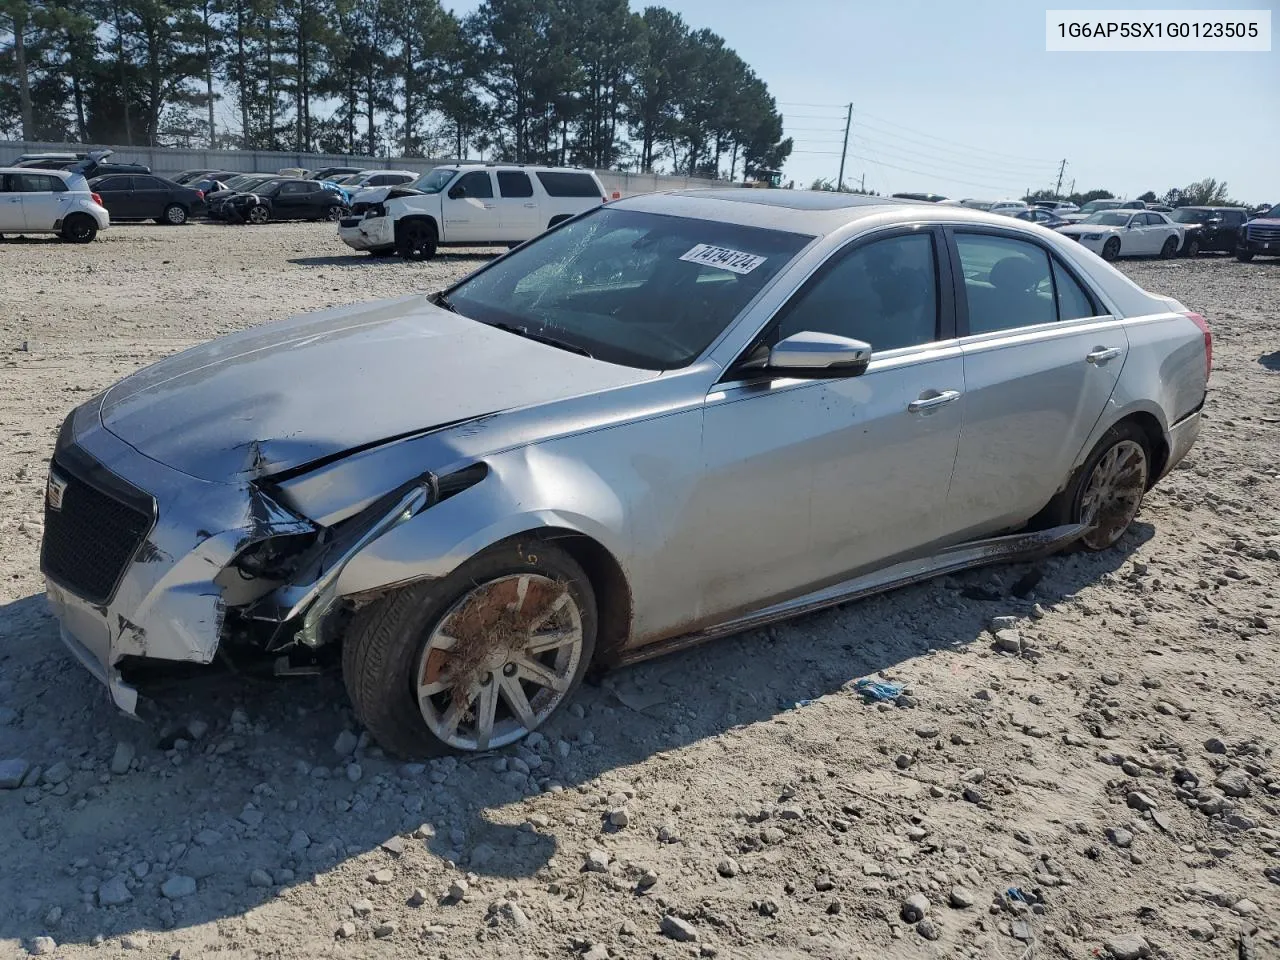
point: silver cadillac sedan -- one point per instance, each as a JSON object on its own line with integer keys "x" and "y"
{"x": 671, "y": 418}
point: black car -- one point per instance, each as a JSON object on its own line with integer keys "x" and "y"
{"x": 286, "y": 198}
{"x": 1209, "y": 228}
{"x": 328, "y": 173}
{"x": 1046, "y": 218}
{"x": 146, "y": 197}
{"x": 240, "y": 183}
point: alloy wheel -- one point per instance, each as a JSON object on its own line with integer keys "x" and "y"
{"x": 1112, "y": 496}
{"x": 500, "y": 661}
{"x": 258, "y": 214}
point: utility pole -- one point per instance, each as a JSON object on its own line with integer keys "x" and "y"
{"x": 848, "y": 119}
{"x": 1062, "y": 168}
{"x": 863, "y": 185}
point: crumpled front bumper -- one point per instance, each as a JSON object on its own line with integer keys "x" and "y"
{"x": 375, "y": 233}
{"x": 165, "y": 604}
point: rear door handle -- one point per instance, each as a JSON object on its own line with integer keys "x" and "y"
{"x": 1103, "y": 354}
{"x": 921, "y": 404}
{"x": 531, "y": 206}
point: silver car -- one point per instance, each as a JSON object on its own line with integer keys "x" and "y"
{"x": 671, "y": 418}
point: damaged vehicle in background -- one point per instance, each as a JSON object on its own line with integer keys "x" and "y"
{"x": 672, "y": 418}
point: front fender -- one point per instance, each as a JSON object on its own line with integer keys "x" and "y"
{"x": 528, "y": 489}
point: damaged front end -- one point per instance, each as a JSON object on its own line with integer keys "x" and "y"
{"x": 144, "y": 561}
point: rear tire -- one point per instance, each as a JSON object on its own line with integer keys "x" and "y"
{"x": 334, "y": 213}
{"x": 1170, "y": 249}
{"x": 418, "y": 240}
{"x": 175, "y": 214}
{"x": 1105, "y": 492}
{"x": 491, "y": 604}
{"x": 79, "y": 228}
{"x": 1111, "y": 249}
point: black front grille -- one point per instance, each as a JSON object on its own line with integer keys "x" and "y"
{"x": 1267, "y": 234}
{"x": 102, "y": 521}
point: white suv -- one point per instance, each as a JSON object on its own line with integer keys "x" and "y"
{"x": 50, "y": 201}
{"x": 467, "y": 205}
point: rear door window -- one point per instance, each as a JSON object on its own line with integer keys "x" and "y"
{"x": 38, "y": 183}
{"x": 560, "y": 184}
{"x": 1073, "y": 302}
{"x": 513, "y": 183}
{"x": 884, "y": 293}
{"x": 1008, "y": 283}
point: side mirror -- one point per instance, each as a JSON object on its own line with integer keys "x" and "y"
{"x": 457, "y": 193}
{"x": 818, "y": 356}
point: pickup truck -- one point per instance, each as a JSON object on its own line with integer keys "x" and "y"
{"x": 468, "y": 205}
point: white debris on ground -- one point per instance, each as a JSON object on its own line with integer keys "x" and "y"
{"x": 1085, "y": 771}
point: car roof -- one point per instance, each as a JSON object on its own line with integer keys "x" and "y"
{"x": 64, "y": 174}
{"x": 812, "y": 212}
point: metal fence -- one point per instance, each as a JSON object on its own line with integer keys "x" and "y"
{"x": 167, "y": 161}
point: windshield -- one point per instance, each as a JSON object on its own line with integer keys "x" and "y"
{"x": 633, "y": 288}
{"x": 1094, "y": 205}
{"x": 434, "y": 181}
{"x": 1273, "y": 213}
{"x": 1189, "y": 215}
{"x": 1109, "y": 219}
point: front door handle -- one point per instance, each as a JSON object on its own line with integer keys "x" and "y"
{"x": 488, "y": 206}
{"x": 923, "y": 403}
{"x": 1103, "y": 354}
{"x": 531, "y": 206}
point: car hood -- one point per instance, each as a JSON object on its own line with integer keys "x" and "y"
{"x": 312, "y": 388}
{"x": 1075, "y": 229}
{"x": 1264, "y": 222}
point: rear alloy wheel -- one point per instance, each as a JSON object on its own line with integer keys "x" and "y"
{"x": 1106, "y": 492}
{"x": 1170, "y": 248}
{"x": 418, "y": 240}
{"x": 175, "y": 214}
{"x": 477, "y": 660}
{"x": 79, "y": 228}
{"x": 1111, "y": 249}
{"x": 259, "y": 214}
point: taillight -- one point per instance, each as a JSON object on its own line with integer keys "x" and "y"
{"x": 1203, "y": 324}
{"x": 96, "y": 198}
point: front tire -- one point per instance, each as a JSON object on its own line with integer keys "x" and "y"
{"x": 1170, "y": 249}
{"x": 79, "y": 228}
{"x": 1111, "y": 249}
{"x": 1193, "y": 248}
{"x": 477, "y": 660}
{"x": 1106, "y": 491}
{"x": 259, "y": 214}
{"x": 175, "y": 214}
{"x": 1244, "y": 256}
{"x": 418, "y": 240}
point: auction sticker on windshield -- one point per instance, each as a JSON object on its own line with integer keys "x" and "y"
{"x": 735, "y": 261}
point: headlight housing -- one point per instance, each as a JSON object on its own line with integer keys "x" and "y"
{"x": 1093, "y": 236}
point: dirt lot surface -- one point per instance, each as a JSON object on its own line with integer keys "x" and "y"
{"x": 1109, "y": 790}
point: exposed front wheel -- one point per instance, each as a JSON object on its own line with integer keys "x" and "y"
{"x": 475, "y": 661}
{"x": 79, "y": 228}
{"x": 1111, "y": 249}
{"x": 1170, "y": 248}
{"x": 418, "y": 240}
{"x": 175, "y": 214}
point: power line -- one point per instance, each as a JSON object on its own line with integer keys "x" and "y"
{"x": 974, "y": 165}
{"x": 923, "y": 173}
{"x": 957, "y": 143}
{"x": 974, "y": 158}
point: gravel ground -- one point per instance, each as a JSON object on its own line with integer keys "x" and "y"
{"x": 1106, "y": 791}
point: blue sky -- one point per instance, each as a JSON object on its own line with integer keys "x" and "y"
{"x": 964, "y": 96}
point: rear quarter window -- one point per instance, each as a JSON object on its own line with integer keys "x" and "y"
{"x": 568, "y": 184}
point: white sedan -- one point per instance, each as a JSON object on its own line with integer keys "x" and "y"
{"x": 1127, "y": 233}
